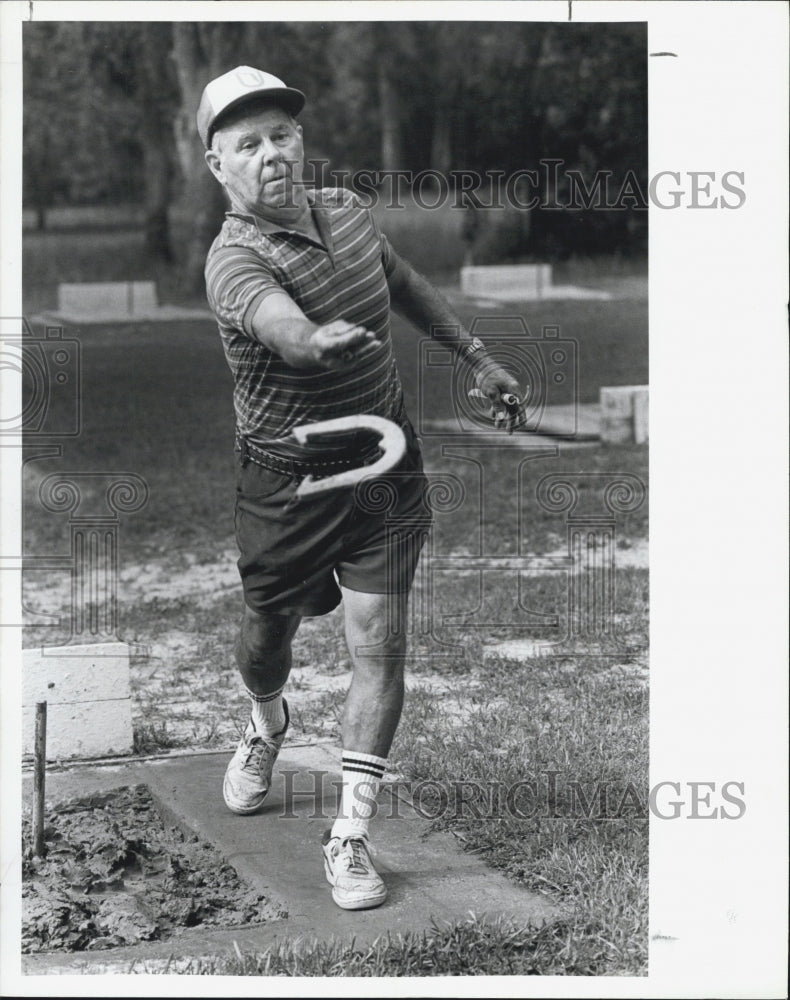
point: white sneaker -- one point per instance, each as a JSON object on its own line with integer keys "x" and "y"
{"x": 249, "y": 773}
{"x": 356, "y": 885}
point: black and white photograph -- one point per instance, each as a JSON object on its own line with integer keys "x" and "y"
{"x": 394, "y": 466}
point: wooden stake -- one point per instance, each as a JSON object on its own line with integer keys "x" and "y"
{"x": 39, "y": 777}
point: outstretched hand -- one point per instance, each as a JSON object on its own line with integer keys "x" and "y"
{"x": 504, "y": 395}
{"x": 339, "y": 344}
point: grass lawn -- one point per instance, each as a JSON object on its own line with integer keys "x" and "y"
{"x": 157, "y": 403}
{"x": 105, "y": 243}
{"x": 155, "y": 399}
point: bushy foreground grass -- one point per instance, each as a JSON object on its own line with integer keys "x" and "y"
{"x": 473, "y": 947}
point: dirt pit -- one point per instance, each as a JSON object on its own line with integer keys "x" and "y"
{"x": 114, "y": 873}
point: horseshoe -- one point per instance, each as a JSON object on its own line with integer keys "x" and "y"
{"x": 392, "y": 443}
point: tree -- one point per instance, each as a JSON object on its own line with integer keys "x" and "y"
{"x": 201, "y": 52}
{"x": 109, "y": 113}
{"x": 388, "y": 96}
{"x": 52, "y": 82}
{"x": 156, "y": 93}
{"x": 378, "y": 99}
{"x": 131, "y": 62}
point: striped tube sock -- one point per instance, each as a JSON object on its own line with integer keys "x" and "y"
{"x": 362, "y": 773}
{"x": 268, "y": 714}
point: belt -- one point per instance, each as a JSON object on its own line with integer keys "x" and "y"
{"x": 296, "y": 468}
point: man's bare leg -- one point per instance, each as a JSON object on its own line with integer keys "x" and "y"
{"x": 263, "y": 655}
{"x": 263, "y": 650}
{"x": 376, "y": 636}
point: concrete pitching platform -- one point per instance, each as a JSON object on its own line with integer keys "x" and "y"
{"x": 278, "y": 852}
{"x": 573, "y": 425}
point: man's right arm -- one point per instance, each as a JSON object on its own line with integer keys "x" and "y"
{"x": 245, "y": 295}
{"x": 280, "y": 325}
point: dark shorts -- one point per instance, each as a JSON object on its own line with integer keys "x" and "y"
{"x": 295, "y": 551}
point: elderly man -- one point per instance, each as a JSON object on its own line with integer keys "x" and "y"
{"x": 301, "y": 282}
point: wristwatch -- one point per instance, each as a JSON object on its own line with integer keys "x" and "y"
{"x": 474, "y": 354}
{"x": 468, "y": 351}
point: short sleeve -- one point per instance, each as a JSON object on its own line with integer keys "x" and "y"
{"x": 387, "y": 261}
{"x": 237, "y": 281}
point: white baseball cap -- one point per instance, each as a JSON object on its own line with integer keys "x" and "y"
{"x": 236, "y": 87}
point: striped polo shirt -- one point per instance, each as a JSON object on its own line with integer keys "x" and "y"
{"x": 343, "y": 279}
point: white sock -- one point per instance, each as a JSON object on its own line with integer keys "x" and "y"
{"x": 268, "y": 714}
{"x": 362, "y": 773}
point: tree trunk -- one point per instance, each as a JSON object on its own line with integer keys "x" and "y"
{"x": 39, "y": 178}
{"x": 389, "y": 106}
{"x": 156, "y": 137}
{"x": 202, "y": 52}
{"x": 157, "y": 201}
{"x": 442, "y": 140}
{"x": 156, "y": 142}
{"x": 389, "y": 100}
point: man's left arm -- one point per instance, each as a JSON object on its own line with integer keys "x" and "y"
{"x": 416, "y": 299}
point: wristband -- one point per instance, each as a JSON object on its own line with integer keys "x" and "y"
{"x": 474, "y": 354}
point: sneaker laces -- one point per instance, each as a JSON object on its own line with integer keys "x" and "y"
{"x": 257, "y": 748}
{"x": 357, "y": 855}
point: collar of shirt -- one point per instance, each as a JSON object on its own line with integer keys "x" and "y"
{"x": 268, "y": 228}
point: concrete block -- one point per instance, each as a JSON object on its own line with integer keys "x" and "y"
{"x": 641, "y": 420}
{"x": 143, "y": 297}
{"x": 85, "y": 730}
{"x": 516, "y": 649}
{"x": 624, "y": 413}
{"x": 88, "y": 695}
{"x": 531, "y": 280}
{"x": 118, "y": 298}
{"x": 618, "y": 401}
{"x": 90, "y": 297}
